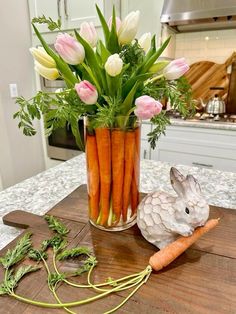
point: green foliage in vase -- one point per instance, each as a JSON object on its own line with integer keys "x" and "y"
{"x": 103, "y": 79}
{"x": 52, "y": 25}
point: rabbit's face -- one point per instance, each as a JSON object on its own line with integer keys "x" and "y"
{"x": 191, "y": 207}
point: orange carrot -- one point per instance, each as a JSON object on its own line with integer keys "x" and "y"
{"x": 118, "y": 150}
{"x": 93, "y": 176}
{"x": 104, "y": 156}
{"x": 169, "y": 253}
{"x": 134, "y": 197}
{"x": 129, "y": 166}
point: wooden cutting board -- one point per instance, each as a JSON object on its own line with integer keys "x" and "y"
{"x": 202, "y": 280}
{"x": 205, "y": 74}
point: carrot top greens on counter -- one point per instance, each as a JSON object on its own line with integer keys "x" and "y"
{"x": 58, "y": 244}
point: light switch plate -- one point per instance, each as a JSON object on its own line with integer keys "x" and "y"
{"x": 13, "y": 90}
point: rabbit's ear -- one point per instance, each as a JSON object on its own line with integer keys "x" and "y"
{"x": 177, "y": 181}
{"x": 193, "y": 183}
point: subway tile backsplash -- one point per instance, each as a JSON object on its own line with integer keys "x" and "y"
{"x": 214, "y": 46}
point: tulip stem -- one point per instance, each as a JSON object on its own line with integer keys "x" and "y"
{"x": 153, "y": 79}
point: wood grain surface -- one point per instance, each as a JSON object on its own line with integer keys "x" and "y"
{"x": 202, "y": 280}
{"x": 205, "y": 74}
{"x": 231, "y": 101}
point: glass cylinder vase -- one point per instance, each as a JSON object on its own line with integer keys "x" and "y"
{"x": 113, "y": 170}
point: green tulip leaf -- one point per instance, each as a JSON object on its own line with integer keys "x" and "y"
{"x": 90, "y": 57}
{"x": 153, "y": 58}
{"x": 152, "y": 49}
{"x": 139, "y": 78}
{"x": 158, "y": 66}
{"x": 129, "y": 100}
{"x": 113, "y": 44}
{"x": 92, "y": 77}
{"x": 103, "y": 52}
{"x": 104, "y": 25}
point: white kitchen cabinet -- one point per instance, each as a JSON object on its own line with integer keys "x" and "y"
{"x": 52, "y": 8}
{"x": 145, "y": 152}
{"x": 76, "y": 12}
{"x": 71, "y": 12}
{"x": 201, "y": 147}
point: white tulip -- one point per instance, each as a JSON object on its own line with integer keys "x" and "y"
{"x": 145, "y": 41}
{"x": 128, "y": 28}
{"x": 113, "y": 65}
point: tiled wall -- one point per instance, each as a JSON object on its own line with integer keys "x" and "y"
{"x": 214, "y": 46}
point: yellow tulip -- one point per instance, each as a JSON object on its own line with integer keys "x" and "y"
{"x": 48, "y": 73}
{"x": 42, "y": 57}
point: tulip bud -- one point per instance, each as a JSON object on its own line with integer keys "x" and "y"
{"x": 89, "y": 33}
{"x": 145, "y": 41}
{"x": 71, "y": 51}
{"x": 118, "y": 23}
{"x": 87, "y": 92}
{"x": 147, "y": 107}
{"x": 128, "y": 28}
{"x": 113, "y": 65}
{"x": 42, "y": 57}
{"x": 175, "y": 69}
{"x": 48, "y": 73}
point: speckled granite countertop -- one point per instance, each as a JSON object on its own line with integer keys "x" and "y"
{"x": 204, "y": 124}
{"x": 41, "y": 192}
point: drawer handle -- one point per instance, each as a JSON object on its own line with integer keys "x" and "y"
{"x": 202, "y": 165}
{"x": 59, "y": 9}
{"x": 144, "y": 153}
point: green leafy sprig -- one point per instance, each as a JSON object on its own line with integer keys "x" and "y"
{"x": 52, "y": 25}
{"x": 37, "y": 255}
{"x": 56, "y": 225}
{"x": 12, "y": 279}
{"x": 18, "y": 253}
{"x": 74, "y": 252}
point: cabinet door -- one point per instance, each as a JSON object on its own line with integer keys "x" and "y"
{"x": 76, "y": 12}
{"x": 145, "y": 150}
{"x": 52, "y": 8}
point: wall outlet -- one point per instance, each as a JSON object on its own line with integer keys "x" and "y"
{"x": 13, "y": 90}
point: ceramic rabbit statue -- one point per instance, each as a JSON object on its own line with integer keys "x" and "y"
{"x": 162, "y": 217}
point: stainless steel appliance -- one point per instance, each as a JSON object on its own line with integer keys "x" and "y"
{"x": 61, "y": 143}
{"x": 215, "y": 105}
{"x": 199, "y": 15}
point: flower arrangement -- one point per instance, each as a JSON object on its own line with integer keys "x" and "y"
{"x": 115, "y": 84}
{"x": 119, "y": 77}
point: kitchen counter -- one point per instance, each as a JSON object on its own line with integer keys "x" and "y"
{"x": 204, "y": 124}
{"x": 41, "y": 192}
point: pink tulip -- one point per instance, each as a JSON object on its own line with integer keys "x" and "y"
{"x": 118, "y": 23}
{"x": 69, "y": 49}
{"x": 87, "y": 92}
{"x": 147, "y": 107}
{"x": 175, "y": 69}
{"x": 89, "y": 33}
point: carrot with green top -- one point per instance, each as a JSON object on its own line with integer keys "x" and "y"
{"x": 93, "y": 176}
{"x": 118, "y": 151}
{"x": 129, "y": 167}
{"x": 134, "y": 197}
{"x": 169, "y": 253}
{"x": 103, "y": 139}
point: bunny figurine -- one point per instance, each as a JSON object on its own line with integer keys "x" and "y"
{"x": 162, "y": 217}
